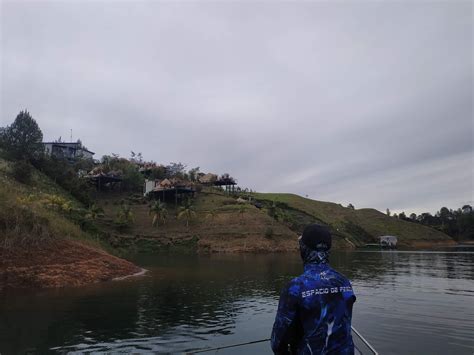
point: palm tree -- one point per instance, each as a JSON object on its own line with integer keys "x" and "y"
{"x": 125, "y": 216}
{"x": 159, "y": 211}
{"x": 56, "y": 202}
{"x": 94, "y": 212}
{"x": 186, "y": 211}
{"x": 211, "y": 214}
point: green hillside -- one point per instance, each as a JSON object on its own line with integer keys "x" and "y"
{"x": 43, "y": 211}
{"x": 44, "y": 237}
{"x": 220, "y": 224}
{"x": 37, "y": 212}
{"x": 357, "y": 226}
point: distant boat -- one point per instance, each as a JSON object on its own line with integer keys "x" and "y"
{"x": 361, "y": 347}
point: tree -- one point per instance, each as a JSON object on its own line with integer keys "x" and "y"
{"x": 427, "y": 218}
{"x": 465, "y": 225}
{"x": 402, "y": 216}
{"x": 351, "y": 206}
{"x": 159, "y": 211}
{"x": 66, "y": 175}
{"x": 94, "y": 212}
{"x": 132, "y": 179}
{"x": 193, "y": 174}
{"x": 175, "y": 169}
{"x": 23, "y": 139}
{"x": 158, "y": 172}
{"x": 187, "y": 212}
{"x": 444, "y": 214}
{"x": 413, "y": 217}
{"x": 387, "y": 212}
{"x": 124, "y": 216}
{"x": 275, "y": 212}
{"x": 136, "y": 158}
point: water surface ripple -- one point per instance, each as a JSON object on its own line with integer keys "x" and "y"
{"x": 407, "y": 303}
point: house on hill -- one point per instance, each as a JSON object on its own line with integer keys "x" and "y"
{"x": 101, "y": 179}
{"x": 168, "y": 189}
{"x": 71, "y": 151}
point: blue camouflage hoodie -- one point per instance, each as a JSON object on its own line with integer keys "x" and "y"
{"x": 315, "y": 310}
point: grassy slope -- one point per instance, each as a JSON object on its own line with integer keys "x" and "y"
{"x": 359, "y": 226}
{"x": 226, "y": 230}
{"x": 26, "y": 201}
{"x": 40, "y": 246}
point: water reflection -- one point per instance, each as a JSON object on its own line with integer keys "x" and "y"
{"x": 408, "y": 302}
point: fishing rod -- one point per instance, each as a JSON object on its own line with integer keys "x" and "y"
{"x": 229, "y": 346}
{"x": 371, "y": 348}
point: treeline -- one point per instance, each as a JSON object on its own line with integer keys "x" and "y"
{"x": 458, "y": 223}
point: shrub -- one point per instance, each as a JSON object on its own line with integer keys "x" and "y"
{"x": 125, "y": 217}
{"x": 22, "y": 171}
{"x": 65, "y": 175}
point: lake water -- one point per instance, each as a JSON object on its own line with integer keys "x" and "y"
{"x": 408, "y": 303}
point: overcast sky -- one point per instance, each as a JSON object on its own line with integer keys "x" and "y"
{"x": 363, "y": 102}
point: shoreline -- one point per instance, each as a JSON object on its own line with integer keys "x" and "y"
{"x": 60, "y": 263}
{"x": 142, "y": 272}
{"x": 66, "y": 263}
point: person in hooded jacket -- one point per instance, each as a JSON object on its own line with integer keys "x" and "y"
{"x": 315, "y": 309}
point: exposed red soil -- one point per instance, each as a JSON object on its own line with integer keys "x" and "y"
{"x": 59, "y": 264}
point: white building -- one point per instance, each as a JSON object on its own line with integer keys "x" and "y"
{"x": 149, "y": 186}
{"x": 67, "y": 150}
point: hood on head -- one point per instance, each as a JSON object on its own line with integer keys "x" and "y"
{"x": 311, "y": 256}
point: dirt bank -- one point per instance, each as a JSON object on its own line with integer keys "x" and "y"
{"x": 60, "y": 263}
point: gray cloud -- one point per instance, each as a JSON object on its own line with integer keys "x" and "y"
{"x": 361, "y": 102}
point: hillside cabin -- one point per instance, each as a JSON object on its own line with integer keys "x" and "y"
{"x": 71, "y": 151}
{"x": 388, "y": 241}
{"x": 105, "y": 180}
{"x": 227, "y": 182}
{"x": 168, "y": 189}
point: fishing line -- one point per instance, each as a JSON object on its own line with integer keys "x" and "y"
{"x": 228, "y": 346}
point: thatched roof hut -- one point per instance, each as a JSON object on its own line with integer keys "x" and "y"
{"x": 208, "y": 179}
{"x": 166, "y": 184}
